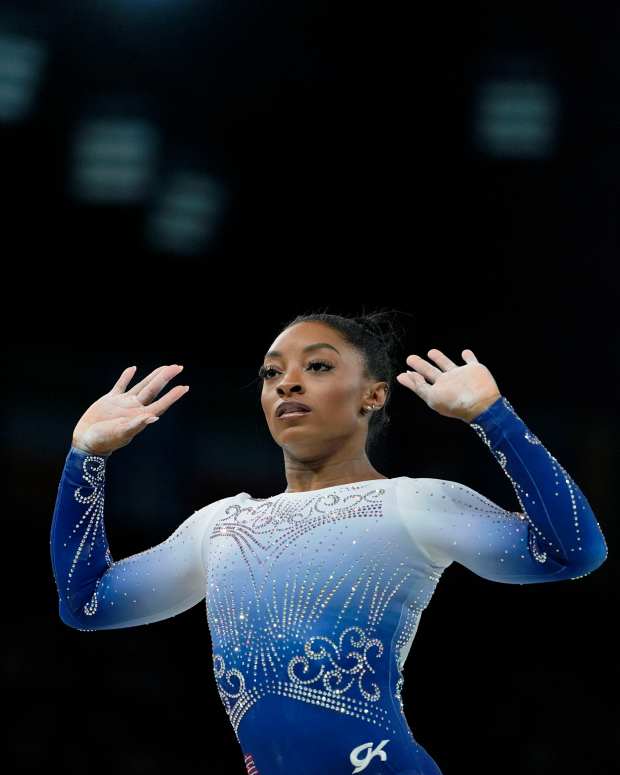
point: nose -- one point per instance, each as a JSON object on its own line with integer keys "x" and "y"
{"x": 283, "y": 390}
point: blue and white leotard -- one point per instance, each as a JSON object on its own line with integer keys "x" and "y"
{"x": 313, "y": 598}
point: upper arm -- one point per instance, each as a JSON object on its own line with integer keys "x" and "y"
{"x": 453, "y": 522}
{"x": 154, "y": 584}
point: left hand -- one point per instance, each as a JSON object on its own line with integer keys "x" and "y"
{"x": 455, "y": 391}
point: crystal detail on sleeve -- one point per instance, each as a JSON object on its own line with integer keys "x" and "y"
{"x": 93, "y": 471}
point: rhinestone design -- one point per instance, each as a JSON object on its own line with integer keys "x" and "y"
{"x": 536, "y": 536}
{"x": 95, "y": 592}
{"x": 317, "y": 596}
{"x": 290, "y": 617}
{"x": 91, "y": 521}
{"x": 332, "y": 654}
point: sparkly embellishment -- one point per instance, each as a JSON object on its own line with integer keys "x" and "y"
{"x": 110, "y": 594}
{"x": 316, "y": 597}
{"x": 219, "y": 669}
{"x": 299, "y": 588}
{"x": 535, "y": 534}
{"x": 538, "y": 555}
{"x": 509, "y": 406}
{"x": 532, "y": 438}
{"x": 334, "y": 654}
{"x": 533, "y": 546}
{"x": 93, "y": 471}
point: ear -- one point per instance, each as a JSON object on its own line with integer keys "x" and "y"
{"x": 378, "y": 392}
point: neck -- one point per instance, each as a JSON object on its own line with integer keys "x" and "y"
{"x": 306, "y": 481}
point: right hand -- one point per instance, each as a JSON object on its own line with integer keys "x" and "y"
{"x": 115, "y": 418}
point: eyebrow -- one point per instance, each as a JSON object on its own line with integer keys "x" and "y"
{"x": 307, "y": 348}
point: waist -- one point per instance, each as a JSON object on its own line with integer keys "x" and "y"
{"x": 281, "y": 735}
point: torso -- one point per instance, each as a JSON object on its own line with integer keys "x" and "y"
{"x": 313, "y": 601}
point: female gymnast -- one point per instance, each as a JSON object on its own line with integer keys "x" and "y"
{"x": 314, "y": 595}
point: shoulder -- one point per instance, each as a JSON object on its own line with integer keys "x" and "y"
{"x": 421, "y": 502}
{"x": 200, "y": 522}
{"x": 216, "y": 506}
{"x": 211, "y": 511}
{"x": 425, "y": 486}
{"x": 433, "y": 494}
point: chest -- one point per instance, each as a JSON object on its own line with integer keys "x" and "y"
{"x": 312, "y": 553}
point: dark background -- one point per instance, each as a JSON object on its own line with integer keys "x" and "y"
{"x": 345, "y": 136}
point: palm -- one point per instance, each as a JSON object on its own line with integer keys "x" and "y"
{"x": 453, "y": 390}
{"x": 114, "y": 419}
{"x": 108, "y": 417}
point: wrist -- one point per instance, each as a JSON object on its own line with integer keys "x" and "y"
{"x": 479, "y": 407}
{"x": 84, "y": 449}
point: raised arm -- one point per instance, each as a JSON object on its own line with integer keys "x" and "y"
{"x": 555, "y": 536}
{"x": 97, "y": 593}
{"x": 94, "y": 591}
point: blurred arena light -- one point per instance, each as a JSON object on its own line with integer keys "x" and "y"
{"x": 114, "y": 156}
{"x": 187, "y": 212}
{"x": 516, "y": 117}
{"x": 21, "y": 64}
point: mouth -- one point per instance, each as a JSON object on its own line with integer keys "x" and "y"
{"x": 292, "y": 408}
{"x": 290, "y": 415}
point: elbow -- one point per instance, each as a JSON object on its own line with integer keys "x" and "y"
{"x": 75, "y": 624}
{"x": 593, "y": 561}
{"x": 68, "y": 617}
{"x": 68, "y": 621}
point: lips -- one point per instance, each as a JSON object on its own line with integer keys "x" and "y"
{"x": 291, "y": 406}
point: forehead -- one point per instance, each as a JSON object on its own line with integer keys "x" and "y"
{"x": 295, "y": 338}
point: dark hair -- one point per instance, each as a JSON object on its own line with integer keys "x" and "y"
{"x": 374, "y": 335}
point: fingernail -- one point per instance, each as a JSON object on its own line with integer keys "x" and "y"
{"x": 152, "y": 419}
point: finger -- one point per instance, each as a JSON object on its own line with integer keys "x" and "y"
{"x": 413, "y": 381}
{"x": 166, "y": 401}
{"x": 441, "y": 360}
{"x": 138, "y": 387}
{"x": 143, "y": 419}
{"x": 124, "y": 380}
{"x": 469, "y": 357}
{"x": 139, "y": 423}
{"x": 423, "y": 367}
{"x": 154, "y": 387}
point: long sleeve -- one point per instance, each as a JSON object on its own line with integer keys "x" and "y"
{"x": 555, "y": 536}
{"x": 94, "y": 591}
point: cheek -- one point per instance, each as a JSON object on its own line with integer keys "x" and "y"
{"x": 341, "y": 397}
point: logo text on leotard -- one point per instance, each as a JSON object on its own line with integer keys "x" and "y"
{"x": 361, "y": 764}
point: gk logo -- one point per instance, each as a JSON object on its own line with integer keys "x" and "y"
{"x": 361, "y": 764}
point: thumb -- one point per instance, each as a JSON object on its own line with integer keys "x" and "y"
{"x": 141, "y": 420}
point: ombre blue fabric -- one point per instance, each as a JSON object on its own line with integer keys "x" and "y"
{"x": 313, "y": 598}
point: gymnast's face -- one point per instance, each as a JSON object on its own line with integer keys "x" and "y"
{"x": 329, "y": 379}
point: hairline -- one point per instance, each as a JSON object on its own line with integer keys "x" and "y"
{"x": 307, "y": 348}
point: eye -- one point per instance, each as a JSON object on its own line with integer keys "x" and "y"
{"x": 264, "y": 371}
{"x": 328, "y": 366}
